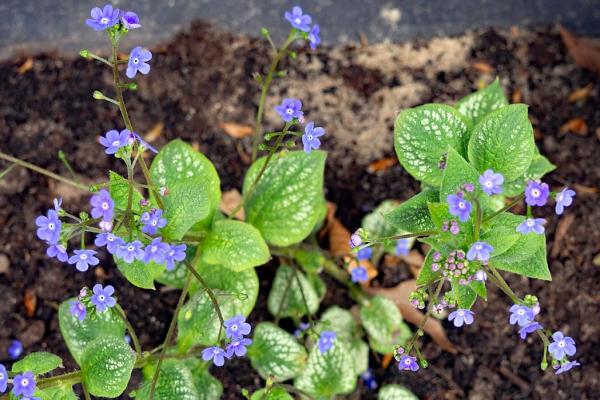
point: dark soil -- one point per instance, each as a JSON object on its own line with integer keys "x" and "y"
{"x": 203, "y": 78}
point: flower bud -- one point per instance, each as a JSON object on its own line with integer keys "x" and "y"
{"x": 85, "y": 53}
{"x": 97, "y": 95}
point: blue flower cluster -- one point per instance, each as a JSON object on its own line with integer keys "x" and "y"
{"x": 290, "y": 111}
{"x": 405, "y": 361}
{"x": 101, "y": 298}
{"x": 302, "y": 22}
{"x": 23, "y": 384}
{"x": 236, "y": 329}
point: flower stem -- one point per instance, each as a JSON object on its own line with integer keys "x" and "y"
{"x": 132, "y": 334}
{"x": 513, "y": 203}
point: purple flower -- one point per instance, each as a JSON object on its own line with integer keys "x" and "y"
{"x": 529, "y": 328}
{"x": 480, "y": 276}
{"x": 298, "y": 19}
{"x": 57, "y": 204}
{"x": 138, "y": 62}
{"x": 24, "y": 384}
{"x": 402, "y": 247}
{"x": 102, "y": 297}
{"x": 102, "y": 205}
{"x": 479, "y": 251}
{"x": 460, "y": 317}
{"x": 469, "y": 187}
{"x": 49, "y": 227}
{"x": 105, "y": 226}
{"x": 408, "y": 363}
{"x": 156, "y": 251}
{"x": 535, "y": 225}
{"x": 103, "y": 18}
{"x": 78, "y": 310}
{"x": 289, "y": 109}
{"x": 113, "y": 140}
{"x": 175, "y": 253}
{"x": 216, "y": 354}
{"x": 355, "y": 240}
{"x": 521, "y": 315}
{"x": 364, "y": 254}
{"x": 238, "y": 347}
{"x": 237, "y": 327}
{"x": 326, "y": 341}
{"x": 130, "y": 251}
{"x": 57, "y": 251}
{"x": 3, "y": 379}
{"x": 143, "y": 143}
{"x": 83, "y": 259}
{"x": 152, "y": 220}
{"x": 359, "y": 274}
{"x": 110, "y": 240}
{"x": 301, "y": 328}
{"x": 15, "y": 349}
{"x": 459, "y": 206}
{"x": 454, "y": 228}
{"x": 562, "y": 345}
{"x": 564, "y": 199}
{"x": 566, "y": 367}
{"x": 491, "y": 182}
{"x": 130, "y": 20}
{"x": 536, "y": 193}
{"x": 310, "y": 138}
{"x": 313, "y": 36}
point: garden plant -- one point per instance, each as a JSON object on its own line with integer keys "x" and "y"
{"x": 476, "y": 160}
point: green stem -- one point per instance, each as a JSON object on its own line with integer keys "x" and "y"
{"x": 132, "y": 334}
{"x": 7, "y": 170}
{"x": 479, "y": 217}
{"x": 513, "y": 203}
{"x": 431, "y": 304}
{"x": 101, "y": 59}
{"x": 404, "y": 236}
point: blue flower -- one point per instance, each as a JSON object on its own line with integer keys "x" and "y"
{"x": 479, "y": 251}
{"x": 289, "y": 109}
{"x": 130, "y": 20}
{"x": 152, "y": 221}
{"x": 3, "y": 379}
{"x": 529, "y": 328}
{"x": 237, "y": 327}
{"x": 83, "y": 259}
{"x": 102, "y": 297}
{"x": 326, "y": 341}
{"x": 491, "y": 182}
{"x": 298, "y": 19}
{"x": 15, "y": 349}
{"x": 521, "y": 315}
{"x": 535, "y": 225}
{"x": 78, "y": 310}
{"x": 110, "y": 240}
{"x": 24, "y": 384}
{"x": 461, "y": 316}
{"x": 364, "y": 254}
{"x": 102, "y": 205}
{"x": 57, "y": 251}
{"x": 216, "y": 354}
{"x": 408, "y": 363}
{"x": 567, "y": 366}
{"x": 113, "y": 140}
{"x": 313, "y": 36}
{"x": 459, "y": 206}
{"x": 238, "y": 347}
{"x": 301, "y": 328}
{"x": 310, "y": 138}
{"x": 103, "y": 18}
{"x": 176, "y": 253}
{"x": 133, "y": 137}
{"x": 49, "y": 227}
{"x": 402, "y": 247}
{"x": 562, "y": 345}
{"x": 564, "y": 199}
{"x": 57, "y": 204}
{"x": 130, "y": 251}
{"x": 536, "y": 193}
{"x": 156, "y": 251}
{"x": 355, "y": 239}
{"x": 138, "y": 62}
{"x": 369, "y": 379}
{"x": 359, "y": 274}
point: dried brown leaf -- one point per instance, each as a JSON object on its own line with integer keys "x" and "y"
{"x": 585, "y": 190}
{"x": 386, "y": 360}
{"x": 483, "y": 67}
{"x": 581, "y": 94}
{"x": 517, "y": 96}
{"x": 154, "y": 132}
{"x": 26, "y": 66}
{"x": 576, "y": 126}
{"x": 585, "y": 51}
{"x": 30, "y": 302}
{"x": 352, "y": 263}
{"x": 230, "y": 201}
{"x": 339, "y": 238}
{"x": 236, "y": 130}
{"x": 382, "y": 165}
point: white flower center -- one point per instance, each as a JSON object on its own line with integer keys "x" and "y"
{"x": 171, "y": 253}
{"x": 478, "y": 247}
{"x": 310, "y": 137}
{"x": 461, "y": 313}
{"x": 104, "y": 20}
{"x": 153, "y": 249}
{"x": 110, "y": 238}
{"x": 561, "y": 343}
{"x": 289, "y": 111}
{"x": 136, "y": 60}
{"x": 559, "y": 198}
{"x": 234, "y": 327}
{"x": 461, "y": 204}
{"x": 101, "y": 297}
{"x": 130, "y": 248}
{"x": 25, "y": 382}
{"x": 535, "y": 193}
{"x": 51, "y": 226}
{"x": 530, "y": 222}
{"x": 521, "y": 312}
{"x": 298, "y": 20}
{"x": 83, "y": 256}
{"x": 488, "y": 184}
{"x": 105, "y": 206}
{"x": 407, "y": 361}
{"x": 116, "y": 143}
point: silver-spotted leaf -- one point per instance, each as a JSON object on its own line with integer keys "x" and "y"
{"x": 383, "y": 322}
{"x": 395, "y": 392}
{"x": 140, "y": 274}
{"x": 292, "y": 294}
{"x": 413, "y": 214}
{"x": 174, "y": 382}
{"x": 477, "y": 105}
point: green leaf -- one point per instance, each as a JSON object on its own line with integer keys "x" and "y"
{"x": 208, "y": 387}
{"x": 106, "y": 366}
{"x": 174, "y": 382}
{"x": 340, "y": 321}
{"x": 78, "y": 334}
{"x": 464, "y": 295}
{"x": 119, "y": 192}
{"x": 539, "y": 167}
{"x": 61, "y": 392}
{"x": 287, "y": 200}
{"x": 427, "y": 275}
{"x": 329, "y": 373}
{"x": 395, "y": 392}
{"x": 287, "y": 298}
{"x": 503, "y": 142}
{"x": 501, "y": 238}
{"x": 422, "y": 136}
{"x": 274, "y": 393}
{"x": 382, "y": 321}
{"x": 309, "y": 260}
{"x": 235, "y": 245}
{"x": 275, "y": 353}
{"x": 194, "y": 187}
{"x": 375, "y": 222}
{"x": 176, "y": 277}
{"x": 479, "y": 104}
{"x": 140, "y": 274}
{"x": 39, "y": 363}
{"x": 413, "y": 215}
{"x": 236, "y": 293}
{"x": 360, "y": 355}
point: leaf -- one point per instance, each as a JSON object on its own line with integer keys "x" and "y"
{"x": 208, "y": 387}
{"x": 501, "y": 238}
{"x": 194, "y": 187}
{"x": 106, "y": 366}
{"x": 155, "y": 132}
{"x": 375, "y": 222}
{"x": 458, "y": 172}
{"x": 585, "y": 51}
{"x": 503, "y": 141}
{"x": 174, "y": 382}
{"x": 581, "y": 94}
{"x": 382, "y": 164}
{"x": 39, "y": 363}
{"x": 539, "y": 167}
{"x": 78, "y": 334}
{"x": 340, "y": 321}
{"x": 309, "y": 260}
{"x": 235, "y": 245}
{"x": 140, "y": 274}
{"x": 287, "y": 201}
{"x": 329, "y": 373}
{"x": 61, "y": 392}
{"x": 119, "y": 192}
{"x": 477, "y": 105}
{"x": 275, "y": 353}
{"x": 464, "y": 295}
{"x": 413, "y": 215}
{"x": 360, "y": 354}
{"x": 274, "y": 393}
{"x": 422, "y": 136}
{"x": 576, "y": 126}
{"x": 395, "y": 392}
{"x": 383, "y": 322}
{"x": 237, "y": 131}
{"x": 287, "y": 299}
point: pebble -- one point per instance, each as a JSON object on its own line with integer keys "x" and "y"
{"x": 4, "y": 264}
